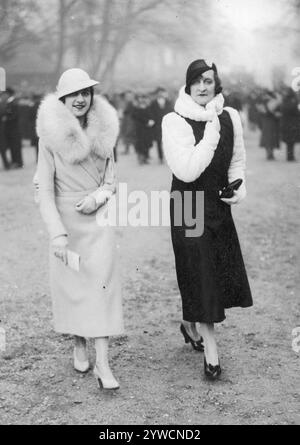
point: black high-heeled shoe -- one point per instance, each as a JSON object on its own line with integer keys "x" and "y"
{"x": 108, "y": 388}
{"x": 197, "y": 345}
{"x": 103, "y": 383}
{"x": 212, "y": 372}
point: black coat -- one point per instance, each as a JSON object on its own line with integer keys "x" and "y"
{"x": 269, "y": 120}
{"x": 128, "y": 130}
{"x": 210, "y": 269}
{"x": 2, "y": 111}
{"x": 12, "y": 131}
{"x": 290, "y": 120}
{"x": 143, "y": 131}
{"x": 12, "y": 115}
{"x": 157, "y": 114}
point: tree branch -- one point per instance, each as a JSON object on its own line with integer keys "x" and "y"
{"x": 152, "y": 5}
{"x": 105, "y": 32}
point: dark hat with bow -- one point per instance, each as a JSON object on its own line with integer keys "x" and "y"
{"x": 195, "y": 70}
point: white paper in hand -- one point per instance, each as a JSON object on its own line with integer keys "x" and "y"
{"x": 73, "y": 260}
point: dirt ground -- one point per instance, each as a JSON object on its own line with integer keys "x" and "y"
{"x": 161, "y": 378}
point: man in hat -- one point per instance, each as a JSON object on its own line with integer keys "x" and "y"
{"x": 143, "y": 125}
{"x": 158, "y": 109}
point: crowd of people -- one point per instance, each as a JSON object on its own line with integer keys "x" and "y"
{"x": 17, "y": 122}
{"x": 276, "y": 115}
{"x": 141, "y": 116}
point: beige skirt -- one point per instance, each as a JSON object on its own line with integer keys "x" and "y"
{"x": 87, "y": 303}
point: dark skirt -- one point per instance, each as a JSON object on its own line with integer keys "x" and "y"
{"x": 210, "y": 269}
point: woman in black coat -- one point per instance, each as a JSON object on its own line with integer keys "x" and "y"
{"x": 204, "y": 148}
{"x": 290, "y": 122}
{"x": 269, "y": 110}
{"x": 143, "y": 127}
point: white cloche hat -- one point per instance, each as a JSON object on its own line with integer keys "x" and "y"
{"x": 72, "y": 80}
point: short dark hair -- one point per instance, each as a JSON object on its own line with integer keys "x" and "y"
{"x": 63, "y": 98}
{"x": 218, "y": 85}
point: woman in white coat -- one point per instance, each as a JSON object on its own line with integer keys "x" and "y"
{"x": 76, "y": 176}
{"x": 204, "y": 148}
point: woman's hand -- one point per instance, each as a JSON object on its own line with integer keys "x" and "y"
{"x": 102, "y": 200}
{"x": 101, "y": 196}
{"x": 214, "y": 124}
{"x": 87, "y": 205}
{"x": 238, "y": 196}
{"x": 59, "y": 247}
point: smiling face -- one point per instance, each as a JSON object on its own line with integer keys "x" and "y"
{"x": 203, "y": 89}
{"x": 79, "y": 102}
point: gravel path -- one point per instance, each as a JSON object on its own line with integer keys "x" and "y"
{"x": 161, "y": 378}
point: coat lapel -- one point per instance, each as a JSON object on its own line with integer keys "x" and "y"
{"x": 89, "y": 166}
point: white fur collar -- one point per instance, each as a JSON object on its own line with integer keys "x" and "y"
{"x": 187, "y": 107}
{"x": 62, "y": 133}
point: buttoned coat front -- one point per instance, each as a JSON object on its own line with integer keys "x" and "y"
{"x": 72, "y": 164}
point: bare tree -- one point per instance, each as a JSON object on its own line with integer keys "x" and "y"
{"x": 94, "y": 33}
{"x": 64, "y": 9}
{"x": 105, "y": 27}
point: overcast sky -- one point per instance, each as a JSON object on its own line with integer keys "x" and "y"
{"x": 253, "y": 47}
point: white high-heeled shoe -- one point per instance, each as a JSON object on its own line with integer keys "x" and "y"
{"x": 80, "y": 366}
{"x": 105, "y": 383}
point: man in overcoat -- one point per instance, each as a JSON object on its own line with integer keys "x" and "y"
{"x": 158, "y": 109}
{"x": 290, "y": 122}
{"x": 11, "y": 128}
{"x": 3, "y": 147}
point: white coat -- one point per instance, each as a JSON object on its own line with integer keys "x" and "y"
{"x": 73, "y": 163}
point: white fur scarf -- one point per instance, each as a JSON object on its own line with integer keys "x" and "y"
{"x": 188, "y": 108}
{"x": 61, "y": 132}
